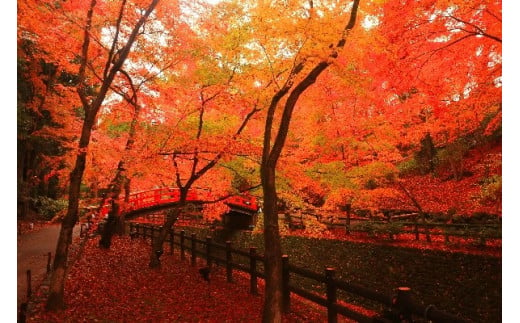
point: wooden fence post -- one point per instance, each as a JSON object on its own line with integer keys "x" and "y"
{"x": 172, "y": 236}
{"x": 347, "y": 220}
{"x": 285, "y": 284}
{"x": 193, "y": 249}
{"x": 332, "y": 312}
{"x": 49, "y": 256}
{"x": 132, "y": 230}
{"x": 208, "y": 251}
{"x": 403, "y": 303}
{"x": 29, "y": 288}
{"x": 182, "y": 245}
{"x": 252, "y": 270}
{"x": 22, "y": 316}
{"x": 446, "y": 236}
{"x": 229, "y": 260}
{"x": 428, "y": 237}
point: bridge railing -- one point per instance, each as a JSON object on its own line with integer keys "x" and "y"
{"x": 164, "y": 195}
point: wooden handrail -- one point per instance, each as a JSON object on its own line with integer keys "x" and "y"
{"x": 166, "y": 195}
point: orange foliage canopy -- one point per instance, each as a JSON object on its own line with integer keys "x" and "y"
{"x": 415, "y": 67}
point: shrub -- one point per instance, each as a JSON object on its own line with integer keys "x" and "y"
{"x": 48, "y": 208}
{"x": 374, "y": 228}
{"x": 491, "y": 190}
{"x": 451, "y": 159}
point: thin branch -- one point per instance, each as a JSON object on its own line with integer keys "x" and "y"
{"x": 111, "y": 57}
{"x": 225, "y": 197}
{"x": 410, "y": 196}
{"x": 84, "y": 58}
{"x": 479, "y": 31}
{"x": 492, "y": 14}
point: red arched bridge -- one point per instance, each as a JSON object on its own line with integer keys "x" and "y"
{"x": 164, "y": 198}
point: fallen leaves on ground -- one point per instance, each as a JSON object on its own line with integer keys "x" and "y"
{"x": 117, "y": 285}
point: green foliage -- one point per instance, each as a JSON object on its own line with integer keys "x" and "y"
{"x": 244, "y": 172}
{"x": 370, "y": 176}
{"x": 48, "y": 208}
{"x": 378, "y": 228}
{"x": 486, "y": 232}
{"x": 483, "y": 217}
{"x": 116, "y": 130}
{"x": 314, "y": 228}
{"x": 363, "y": 226}
{"x": 373, "y": 175}
{"x": 329, "y": 174}
{"x": 408, "y": 167}
{"x": 451, "y": 158}
{"x": 491, "y": 190}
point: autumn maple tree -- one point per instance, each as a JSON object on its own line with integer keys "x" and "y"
{"x": 94, "y": 81}
{"x": 375, "y": 105}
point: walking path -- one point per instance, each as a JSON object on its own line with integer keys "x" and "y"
{"x": 32, "y": 249}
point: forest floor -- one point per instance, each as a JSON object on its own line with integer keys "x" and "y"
{"x": 492, "y": 247}
{"x": 117, "y": 285}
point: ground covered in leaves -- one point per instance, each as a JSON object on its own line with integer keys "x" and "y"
{"x": 117, "y": 285}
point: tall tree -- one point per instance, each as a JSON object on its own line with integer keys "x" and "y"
{"x": 94, "y": 82}
{"x": 274, "y": 140}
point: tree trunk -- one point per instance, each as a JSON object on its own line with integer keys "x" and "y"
{"x": 57, "y": 285}
{"x": 157, "y": 245}
{"x": 270, "y": 155}
{"x": 158, "y": 242}
{"x": 110, "y": 225}
{"x": 114, "y": 216}
{"x": 272, "y": 311}
{"x": 116, "y": 220}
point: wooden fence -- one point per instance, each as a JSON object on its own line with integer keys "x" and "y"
{"x": 392, "y": 226}
{"x": 480, "y": 233}
{"x": 400, "y": 307}
{"x": 22, "y": 312}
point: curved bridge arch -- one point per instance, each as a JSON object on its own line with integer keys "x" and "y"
{"x": 166, "y": 197}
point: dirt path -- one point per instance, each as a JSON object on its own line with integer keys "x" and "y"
{"x": 33, "y": 248}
